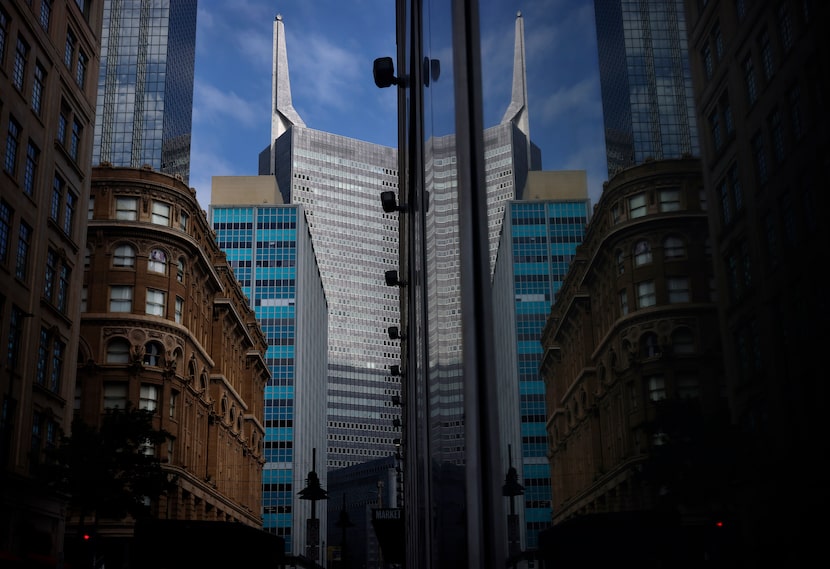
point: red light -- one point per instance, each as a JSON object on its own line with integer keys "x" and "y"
{"x": 719, "y": 524}
{"x": 86, "y": 537}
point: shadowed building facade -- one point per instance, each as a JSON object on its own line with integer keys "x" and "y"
{"x": 761, "y": 82}
{"x": 637, "y": 419}
{"x": 48, "y": 64}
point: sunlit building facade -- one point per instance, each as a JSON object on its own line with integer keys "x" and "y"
{"x": 338, "y": 181}
{"x": 145, "y": 85}
{"x": 646, "y": 82}
{"x": 269, "y": 246}
{"x": 165, "y": 327}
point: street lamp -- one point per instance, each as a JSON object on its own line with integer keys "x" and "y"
{"x": 313, "y": 492}
{"x": 512, "y": 488}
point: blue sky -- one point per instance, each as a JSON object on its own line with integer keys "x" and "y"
{"x": 331, "y": 46}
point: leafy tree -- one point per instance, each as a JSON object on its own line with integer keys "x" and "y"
{"x": 112, "y": 471}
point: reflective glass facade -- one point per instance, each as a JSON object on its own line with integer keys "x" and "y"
{"x": 338, "y": 181}
{"x": 647, "y": 99}
{"x": 145, "y": 85}
{"x": 539, "y": 240}
{"x": 270, "y": 250}
{"x": 457, "y": 178}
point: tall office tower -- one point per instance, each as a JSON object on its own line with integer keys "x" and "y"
{"x": 48, "y": 59}
{"x": 539, "y": 238}
{"x": 269, "y": 247}
{"x": 338, "y": 182}
{"x": 145, "y": 85}
{"x": 761, "y": 83}
{"x": 646, "y": 82}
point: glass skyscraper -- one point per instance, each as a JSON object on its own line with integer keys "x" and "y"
{"x": 646, "y": 82}
{"x": 539, "y": 238}
{"x": 269, "y": 247}
{"x": 145, "y": 85}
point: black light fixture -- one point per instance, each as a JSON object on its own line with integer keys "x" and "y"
{"x": 383, "y": 70}
{"x": 395, "y": 369}
{"x": 391, "y": 277}
{"x": 396, "y": 400}
{"x": 394, "y": 333}
{"x": 390, "y": 202}
{"x": 396, "y": 423}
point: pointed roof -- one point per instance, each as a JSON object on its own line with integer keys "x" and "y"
{"x": 517, "y": 110}
{"x": 283, "y": 114}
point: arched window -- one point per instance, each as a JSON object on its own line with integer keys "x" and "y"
{"x": 178, "y": 358}
{"x": 620, "y": 259}
{"x": 123, "y": 256}
{"x": 642, "y": 253}
{"x": 203, "y": 382}
{"x": 153, "y": 353}
{"x": 674, "y": 247}
{"x": 649, "y": 346}
{"x": 118, "y": 351}
{"x": 157, "y": 262}
{"x": 180, "y": 270}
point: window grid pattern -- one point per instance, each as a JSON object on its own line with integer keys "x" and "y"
{"x": 544, "y": 238}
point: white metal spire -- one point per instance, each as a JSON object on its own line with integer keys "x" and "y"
{"x": 283, "y": 114}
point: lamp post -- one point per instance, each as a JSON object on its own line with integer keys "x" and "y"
{"x": 512, "y": 488}
{"x": 313, "y": 492}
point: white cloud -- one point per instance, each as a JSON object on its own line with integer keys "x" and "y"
{"x": 211, "y": 103}
{"x": 579, "y": 98}
{"x": 328, "y": 73}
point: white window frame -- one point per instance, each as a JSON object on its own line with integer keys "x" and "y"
{"x": 155, "y": 302}
{"x": 148, "y": 398}
{"x": 126, "y": 209}
{"x": 637, "y": 206}
{"x": 121, "y": 298}
{"x": 161, "y": 214}
{"x": 157, "y": 261}
{"x": 669, "y": 199}
{"x": 123, "y": 256}
{"x": 678, "y": 288}
{"x": 646, "y": 295}
{"x": 115, "y": 395}
{"x": 642, "y": 253}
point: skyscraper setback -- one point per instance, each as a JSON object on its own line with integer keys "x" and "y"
{"x": 338, "y": 181}
{"x": 145, "y": 85}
